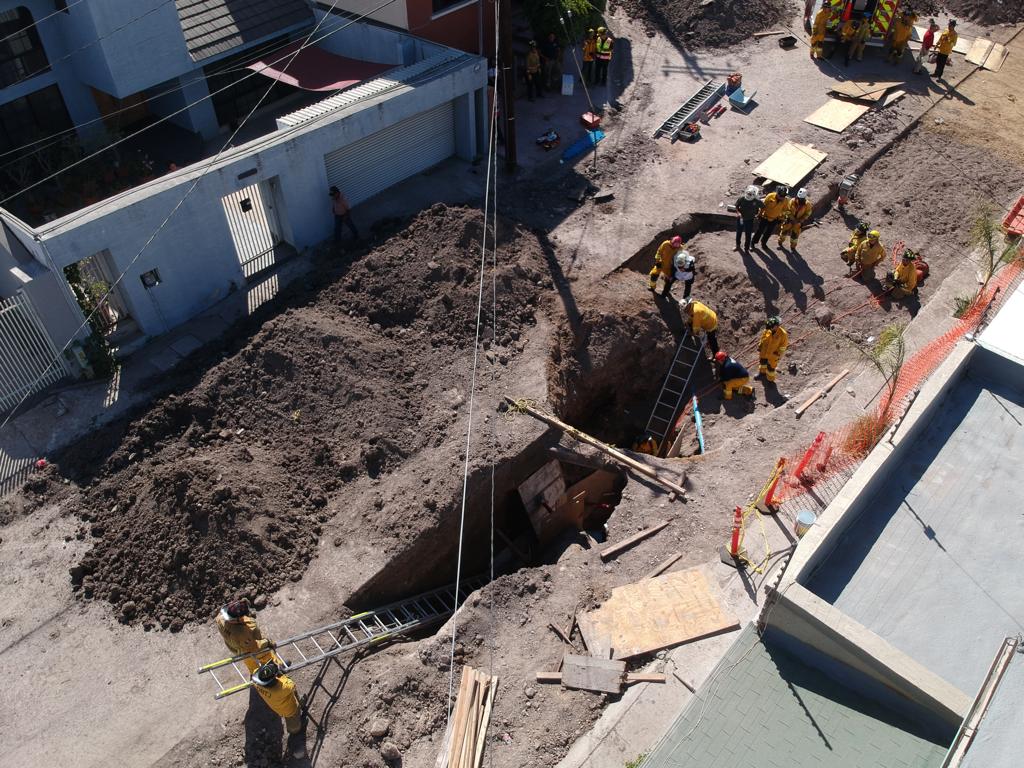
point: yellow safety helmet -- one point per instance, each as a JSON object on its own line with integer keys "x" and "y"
{"x": 601, "y": 29}
{"x": 590, "y": 31}
{"x": 874, "y": 234}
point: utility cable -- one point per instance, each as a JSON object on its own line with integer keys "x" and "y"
{"x": 187, "y": 107}
{"x": 156, "y": 232}
{"x": 576, "y": 61}
{"x": 491, "y": 154}
{"x": 37, "y": 22}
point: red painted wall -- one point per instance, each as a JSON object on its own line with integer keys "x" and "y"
{"x": 458, "y": 29}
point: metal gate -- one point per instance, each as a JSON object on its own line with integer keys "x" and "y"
{"x": 29, "y": 361}
{"x": 98, "y": 279}
{"x": 371, "y": 165}
{"x": 255, "y": 230}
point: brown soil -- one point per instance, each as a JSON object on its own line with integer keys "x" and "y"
{"x": 698, "y": 24}
{"x": 222, "y": 489}
{"x": 985, "y": 11}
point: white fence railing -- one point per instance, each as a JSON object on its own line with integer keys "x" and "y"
{"x": 29, "y": 361}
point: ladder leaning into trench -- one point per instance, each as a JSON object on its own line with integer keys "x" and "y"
{"x": 358, "y": 631}
{"x": 673, "y": 391}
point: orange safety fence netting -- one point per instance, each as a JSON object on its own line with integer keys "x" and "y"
{"x": 820, "y": 469}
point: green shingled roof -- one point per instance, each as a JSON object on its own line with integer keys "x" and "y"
{"x": 765, "y": 708}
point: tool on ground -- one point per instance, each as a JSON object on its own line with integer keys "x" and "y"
{"x": 674, "y": 390}
{"x": 846, "y": 188}
{"x": 705, "y": 96}
{"x": 363, "y": 629}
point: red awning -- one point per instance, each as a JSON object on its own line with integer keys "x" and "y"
{"x": 315, "y": 69}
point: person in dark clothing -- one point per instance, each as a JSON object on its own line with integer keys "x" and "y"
{"x": 747, "y": 207}
{"x": 551, "y": 55}
{"x": 342, "y": 215}
{"x": 733, "y": 375}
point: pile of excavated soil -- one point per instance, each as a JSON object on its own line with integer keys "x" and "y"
{"x": 221, "y": 490}
{"x": 986, "y": 11}
{"x": 703, "y": 24}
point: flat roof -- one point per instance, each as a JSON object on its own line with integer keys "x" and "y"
{"x": 764, "y": 706}
{"x": 997, "y": 742}
{"x": 930, "y": 560}
{"x": 1003, "y": 335}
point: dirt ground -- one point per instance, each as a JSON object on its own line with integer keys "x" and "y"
{"x": 314, "y": 463}
{"x": 697, "y": 24}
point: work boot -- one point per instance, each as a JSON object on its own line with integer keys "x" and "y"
{"x": 747, "y": 390}
{"x": 727, "y": 394}
{"x": 771, "y": 377}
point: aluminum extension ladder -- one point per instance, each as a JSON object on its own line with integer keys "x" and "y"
{"x": 357, "y": 631}
{"x": 707, "y": 95}
{"x": 673, "y": 391}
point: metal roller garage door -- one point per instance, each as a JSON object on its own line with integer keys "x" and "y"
{"x": 371, "y": 165}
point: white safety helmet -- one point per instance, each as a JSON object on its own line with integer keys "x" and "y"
{"x": 684, "y": 260}
{"x": 801, "y": 194}
{"x": 751, "y": 192}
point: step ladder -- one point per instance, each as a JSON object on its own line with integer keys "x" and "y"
{"x": 361, "y": 630}
{"x": 673, "y": 391}
{"x": 705, "y": 96}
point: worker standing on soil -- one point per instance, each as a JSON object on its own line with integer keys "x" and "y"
{"x": 733, "y": 376}
{"x": 860, "y": 39}
{"x": 902, "y": 281}
{"x": 534, "y": 87}
{"x": 589, "y": 50}
{"x": 603, "y": 53}
{"x": 748, "y": 206}
{"x": 947, "y": 41}
{"x": 798, "y": 211}
{"x": 773, "y": 345}
{"x": 818, "y": 31}
{"x": 927, "y": 41}
{"x": 551, "y": 54}
{"x": 869, "y": 254}
{"x": 772, "y": 208}
{"x": 858, "y": 236}
{"x": 899, "y": 35}
{"x": 702, "y": 319}
{"x": 241, "y": 634}
{"x": 686, "y": 271}
{"x": 278, "y": 692}
{"x": 664, "y": 264}
{"x": 342, "y": 215}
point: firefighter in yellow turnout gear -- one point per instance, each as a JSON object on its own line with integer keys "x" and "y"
{"x": 818, "y": 31}
{"x": 734, "y": 377}
{"x": 702, "y": 319}
{"x": 241, "y": 634}
{"x": 664, "y": 264}
{"x": 903, "y": 279}
{"x": 868, "y": 255}
{"x": 858, "y": 236}
{"x": 774, "y": 342}
{"x": 278, "y": 692}
{"x": 795, "y": 214}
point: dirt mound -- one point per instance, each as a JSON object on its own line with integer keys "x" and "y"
{"x": 703, "y": 24}
{"x": 222, "y": 490}
{"x": 985, "y": 11}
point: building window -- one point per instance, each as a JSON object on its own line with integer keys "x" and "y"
{"x": 32, "y": 117}
{"x": 444, "y": 5}
{"x": 21, "y": 54}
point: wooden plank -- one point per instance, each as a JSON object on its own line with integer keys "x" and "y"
{"x": 472, "y": 722}
{"x": 820, "y": 393}
{"x": 615, "y": 549}
{"x": 665, "y": 565}
{"x": 657, "y": 613}
{"x": 541, "y": 493}
{"x": 590, "y": 674}
{"x": 646, "y": 677}
{"x": 458, "y": 717}
{"x": 987, "y": 54}
{"x": 549, "y": 677}
{"x": 485, "y": 719}
{"x": 890, "y": 98}
{"x": 865, "y": 90}
{"x": 836, "y": 115}
{"x": 615, "y": 453}
{"x": 994, "y": 61}
{"x": 768, "y": 34}
{"x": 790, "y": 164}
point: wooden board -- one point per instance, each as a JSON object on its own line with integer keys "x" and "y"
{"x": 864, "y": 90}
{"x": 890, "y": 98}
{"x": 625, "y": 544}
{"x": 548, "y": 485}
{"x": 591, "y": 674}
{"x": 653, "y": 614}
{"x": 987, "y": 55}
{"x": 790, "y": 164}
{"x": 836, "y": 115}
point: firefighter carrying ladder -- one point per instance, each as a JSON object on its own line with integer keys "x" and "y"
{"x": 673, "y": 391}
{"x": 363, "y": 629}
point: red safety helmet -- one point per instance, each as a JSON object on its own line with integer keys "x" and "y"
{"x": 720, "y": 357}
{"x": 677, "y": 242}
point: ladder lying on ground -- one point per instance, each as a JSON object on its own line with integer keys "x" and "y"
{"x": 706, "y": 95}
{"x": 673, "y": 391}
{"x": 357, "y": 631}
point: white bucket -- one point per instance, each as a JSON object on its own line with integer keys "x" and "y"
{"x": 804, "y": 520}
{"x": 567, "y": 85}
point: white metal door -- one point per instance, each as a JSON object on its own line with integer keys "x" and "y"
{"x": 371, "y": 165}
{"x": 254, "y": 228}
{"x": 29, "y": 360}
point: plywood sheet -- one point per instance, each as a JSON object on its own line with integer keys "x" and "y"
{"x": 790, "y": 164}
{"x": 986, "y": 54}
{"x": 891, "y": 98}
{"x": 645, "y": 617}
{"x": 592, "y": 674}
{"x": 864, "y": 90}
{"x": 546, "y": 485}
{"x": 836, "y": 115}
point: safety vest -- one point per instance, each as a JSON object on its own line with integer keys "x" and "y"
{"x": 604, "y": 48}
{"x": 589, "y": 47}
